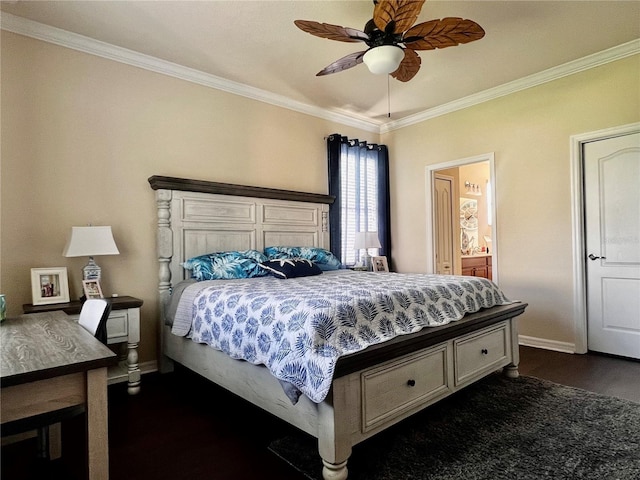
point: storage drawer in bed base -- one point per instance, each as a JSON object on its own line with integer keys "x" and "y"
{"x": 400, "y": 387}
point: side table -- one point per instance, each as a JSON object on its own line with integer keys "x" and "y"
{"x": 123, "y": 325}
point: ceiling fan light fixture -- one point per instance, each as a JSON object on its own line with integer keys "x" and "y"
{"x": 384, "y": 59}
{"x": 390, "y": 27}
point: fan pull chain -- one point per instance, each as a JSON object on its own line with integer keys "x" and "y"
{"x": 388, "y": 98}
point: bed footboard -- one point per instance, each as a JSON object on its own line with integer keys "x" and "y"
{"x": 366, "y": 402}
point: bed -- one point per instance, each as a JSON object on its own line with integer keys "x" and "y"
{"x": 370, "y": 388}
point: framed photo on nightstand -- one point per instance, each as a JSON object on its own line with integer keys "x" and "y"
{"x": 379, "y": 264}
{"x": 92, "y": 288}
{"x": 49, "y": 285}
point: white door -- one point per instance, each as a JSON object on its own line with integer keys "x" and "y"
{"x": 612, "y": 215}
{"x": 443, "y": 208}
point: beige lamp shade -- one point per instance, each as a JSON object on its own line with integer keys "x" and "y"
{"x": 90, "y": 242}
{"x": 366, "y": 240}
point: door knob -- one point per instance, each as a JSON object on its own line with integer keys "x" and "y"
{"x": 593, "y": 257}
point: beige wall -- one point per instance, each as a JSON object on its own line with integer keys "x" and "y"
{"x": 529, "y": 132}
{"x": 80, "y": 137}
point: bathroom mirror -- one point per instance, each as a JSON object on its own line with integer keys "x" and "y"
{"x": 468, "y": 226}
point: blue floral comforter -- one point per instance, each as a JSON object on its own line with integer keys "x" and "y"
{"x": 300, "y": 327}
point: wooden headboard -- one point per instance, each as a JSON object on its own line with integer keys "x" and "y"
{"x": 197, "y": 217}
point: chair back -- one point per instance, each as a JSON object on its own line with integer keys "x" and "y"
{"x": 93, "y": 317}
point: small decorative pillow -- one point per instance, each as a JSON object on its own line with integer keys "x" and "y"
{"x": 321, "y": 257}
{"x": 291, "y": 267}
{"x": 226, "y": 265}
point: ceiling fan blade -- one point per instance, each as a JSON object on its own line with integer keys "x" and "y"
{"x": 344, "y": 63}
{"x": 396, "y": 16}
{"x": 408, "y": 67}
{"x": 447, "y": 32}
{"x": 332, "y": 32}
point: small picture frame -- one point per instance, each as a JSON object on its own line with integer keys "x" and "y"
{"x": 92, "y": 288}
{"x": 379, "y": 264}
{"x": 49, "y": 285}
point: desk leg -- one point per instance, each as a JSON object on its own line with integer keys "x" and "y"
{"x": 97, "y": 424}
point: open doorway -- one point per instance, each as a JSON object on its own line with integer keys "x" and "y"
{"x": 472, "y": 236}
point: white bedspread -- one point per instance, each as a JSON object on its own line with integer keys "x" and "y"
{"x": 299, "y": 327}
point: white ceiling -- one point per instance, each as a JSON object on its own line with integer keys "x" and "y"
{"x": 256, "y": 44}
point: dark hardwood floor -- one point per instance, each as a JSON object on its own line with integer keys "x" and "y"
{"x": 183, "y": 427}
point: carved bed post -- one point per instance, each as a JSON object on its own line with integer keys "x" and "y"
{"x": 334, "y": 429}
{"x": 333, "y": 448}
{"x": 164, "y": 250}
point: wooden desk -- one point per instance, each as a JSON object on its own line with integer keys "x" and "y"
{"x": 49, "y": 362}
{"x": 123, "y": 325}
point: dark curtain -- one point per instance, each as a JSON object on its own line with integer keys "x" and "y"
{"x": 338, "y": 150}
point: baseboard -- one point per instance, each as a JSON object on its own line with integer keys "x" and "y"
{"x": 563, "y": 347}
{"x": 149, "y": 367}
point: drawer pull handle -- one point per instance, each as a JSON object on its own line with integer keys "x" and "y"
{"x": 484, "y": 351}
{"x": 411, "y": 383}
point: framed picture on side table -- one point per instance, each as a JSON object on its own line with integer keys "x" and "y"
{"x": 92, "y": 288}
{"x": 49, "y": 285}
{"x": 379, "y": 264}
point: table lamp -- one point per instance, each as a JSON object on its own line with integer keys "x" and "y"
{"x": 89, "y": 242}
{"x": 365, "y": 241}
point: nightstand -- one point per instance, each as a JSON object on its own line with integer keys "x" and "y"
{"x": 123, "y": 325}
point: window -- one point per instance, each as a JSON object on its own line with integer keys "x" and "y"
{"x": 358, "y": 178}
{"x": 359, "y": 199}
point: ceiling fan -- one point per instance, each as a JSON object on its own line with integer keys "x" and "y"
{"x": 392, "y": 40}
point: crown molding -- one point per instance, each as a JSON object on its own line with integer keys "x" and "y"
{"x": 585, "y": 63}
{"x": 74, "y": 41}
{"x": 57, "y": 36}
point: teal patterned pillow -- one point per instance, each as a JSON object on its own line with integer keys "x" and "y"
{"x": 321, "y": 257}
{"x": 226, "y": 265}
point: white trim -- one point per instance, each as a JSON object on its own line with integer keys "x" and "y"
{"x": 429, "y": 187}
{"x": 564, "y": 347}
{"x": 46, "y": 33}
{"x": 74, "y": 41}
{"x": 577, "y": 221}
{"x": 549, "y": 75}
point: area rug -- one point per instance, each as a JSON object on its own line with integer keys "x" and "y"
{"x": 496, "y": 429}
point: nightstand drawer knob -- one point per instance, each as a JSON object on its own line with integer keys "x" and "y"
{"x": 484, "y": 351}
{"x": 411, "y": 383}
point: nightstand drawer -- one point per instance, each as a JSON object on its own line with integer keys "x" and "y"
{"x": 481, "y": 352}
{"x": 117, "y": 326}
{"x": 398, "y": 386}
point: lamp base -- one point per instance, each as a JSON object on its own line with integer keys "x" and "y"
{"x": 367, "y": 260}
{"x": 91, "y": 271}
